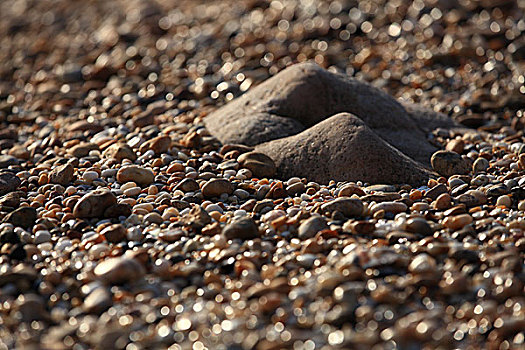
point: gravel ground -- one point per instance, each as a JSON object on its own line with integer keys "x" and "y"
{"x": 125, "y": 224}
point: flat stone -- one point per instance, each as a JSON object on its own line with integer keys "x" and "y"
{"x": 114, "y": 233}
{"x": 22, "y": 217}
{"x": 94, "y": 204}
{"x": 9, "y": 182}
{"x": 447, "y": 163}
{"x": 62, "y": 174}
{"x": 216, "y": 187}
{"x": 135, "y": 173}
{"x": 311, "y": 226}
{"x": 187, "y": 185}
{"x": 349, "y": 207}
{"x": 159, "y": 144}
{"x": 7, "y": 160}
{"x": 83, "y": 149}
{"x": 258, "y": 163}
{"x": 119, "y": 151}
{"x": 342, "y": 148}
{"x": 243, "y": 228}
{"x": 119, "y": 270}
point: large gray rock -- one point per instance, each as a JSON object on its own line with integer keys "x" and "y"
{"x": 341, "y": 148}
{"x": 304, "y": 94}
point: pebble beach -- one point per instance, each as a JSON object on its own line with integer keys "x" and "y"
{"x": 287, "y": 174}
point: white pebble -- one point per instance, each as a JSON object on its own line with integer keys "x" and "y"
{"x": 214, "y": 207}
{"x": 242, "y": 194}
{"x": 128, "y": 185}
{"x": 133, "y": 191}
{"x": 109, "y": 173}
{"x": 42, "y": 237}
{"x": 90, "y": 176}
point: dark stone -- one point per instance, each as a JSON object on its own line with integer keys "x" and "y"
{"x": 9, "y": 182}
{"x": 243, "y": 228}
{"x": 22, "y": 217}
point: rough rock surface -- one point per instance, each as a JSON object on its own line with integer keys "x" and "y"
{"x": 342, "y": 147}
{"x": 305, "y": 94}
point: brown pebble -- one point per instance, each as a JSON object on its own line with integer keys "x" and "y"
{"x": 135, "y": 173}
{"x": 258, "y": 163}
{"x": 114, "y": 233}
{"x": 94, "y": 204}
{"x": 447, "y": 163}
{"x": 216, "y": 187}
{"x": 62, "y": 174}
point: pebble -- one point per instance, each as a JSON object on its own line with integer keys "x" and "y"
{"x": 436, "y": 191}
{"x": 216, "y": 187}
{"x": 119, "y": 152}
{"x": 98, "y": 301}
{"x": 423, "y": 263}
{"x": 243, "y": 228}
{"x": 94, "y": 204}
{"x": 83, "y": 149}
{"x": 62, "y": 175}
{"x": 159, "y": 144}
{"x": 443, "y": 201}
{"x": 89, "y": 176}
{"x": 42, "y": 237}
{"x": 153, "y": 218}
{"x": 310, "y": 227}
{"x": 258, "y": 163}
{"x": 119, "y": 270}
{"x": 214, "y": 207}
{"x": 389, "y": 207}
{"x": 457, "y": 222}
{"x": 418, "y": 225}
{"x": 7, "y": 160}
{"x": 132, "y": 191}
{"x": 24, "y": 217}
{"x": 8, "y": 182}
{"x": 447, "y": 163}
{"x": 350, "y": 189}
{"x": 504, "y": 201}
{"x": 349, "y": 207}
{"x": 135, "y": 173}
{"x": 188, "y": 185}
{"x": 480, "y": 165}
{"x": 114, "y": 233}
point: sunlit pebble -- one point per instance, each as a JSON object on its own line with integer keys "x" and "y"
{"x": 394, "y": 29}
{"x": 183, "y": 324}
